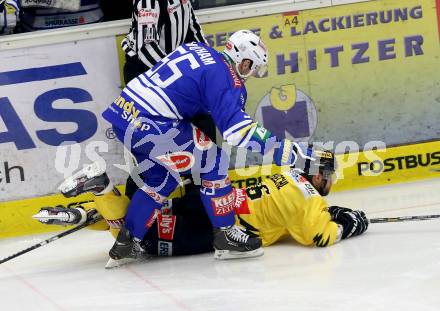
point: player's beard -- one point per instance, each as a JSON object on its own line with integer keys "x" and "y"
{"x": 324, "y": 188}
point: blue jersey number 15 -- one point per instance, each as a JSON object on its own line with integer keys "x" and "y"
{"x": 154, "y": 74}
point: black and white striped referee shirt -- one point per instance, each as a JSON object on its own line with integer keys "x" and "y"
{"x": 158, "y": 27}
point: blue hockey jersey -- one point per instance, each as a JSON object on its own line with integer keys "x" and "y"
{"x": 192, "y": 80}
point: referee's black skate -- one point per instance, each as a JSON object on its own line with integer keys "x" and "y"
{"x": 91, "y": 178}
{"x": 233, "y": 242}
{"x": 126, "y": 249}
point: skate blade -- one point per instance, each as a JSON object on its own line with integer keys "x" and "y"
{"x": 225, "y": 254}
{"x": 44, "y": 217}
{"x": 93, "y": 170}
{"x": 113, "y": 263}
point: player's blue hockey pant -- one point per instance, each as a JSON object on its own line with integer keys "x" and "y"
{"x": 164, "y": 150}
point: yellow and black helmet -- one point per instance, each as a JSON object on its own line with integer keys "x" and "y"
{"x": 323, "y": 162}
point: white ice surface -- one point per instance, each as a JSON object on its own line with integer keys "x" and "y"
{"x": 394, "y": 266}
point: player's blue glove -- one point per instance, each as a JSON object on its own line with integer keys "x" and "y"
{"x": 289, "y": 152}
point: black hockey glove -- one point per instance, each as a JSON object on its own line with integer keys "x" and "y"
{"x": 353, "y": 222}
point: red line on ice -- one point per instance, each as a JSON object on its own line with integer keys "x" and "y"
{"x": 150, "y": 283}
{"x": 34, "y": 289}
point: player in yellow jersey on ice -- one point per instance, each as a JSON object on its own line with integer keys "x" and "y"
{"x": 287, "y": 204}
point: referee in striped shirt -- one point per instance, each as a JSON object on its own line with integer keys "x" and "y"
{"x": 158, "y": 27}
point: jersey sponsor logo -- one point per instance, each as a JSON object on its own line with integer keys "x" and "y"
{"x": 152, "y": 219}
{"x": 127, "y": 107}
{"x": 304, "y": 185}
{"x": 301, "y": 179}
{"x": 179, "y": 161}
{"x": 166, "y": 225}
{"x": 279, "y": 180}
{"x": 148, "y": 13}
{"x": 223, "y": 205}
{"x": 154, "y": 195}
{"x": 116, "y": 223}
{"x": 216, "y": 184}
{"x": 240, "y": 203}
{"x": 235, "y": 79}
{"x": 310, "y": 189}
{"x": 148, "y": 16}
{"x": 164, "y": 248}
{"x": 201, "y": 140}
{"x": 128, "y": 112}
{"x": 209, "y": 187}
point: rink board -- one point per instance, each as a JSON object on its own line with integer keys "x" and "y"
{"x": 341, "y": 95}
{"x": 358, "y": 171}
{"x": 54, "y": 94}
{"x": 358, "y": 73}
{"x": 50, "y": 114}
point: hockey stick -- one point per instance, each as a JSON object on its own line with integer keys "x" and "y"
{"x": 403, "y": 218}
{"x": 93, "y": 219}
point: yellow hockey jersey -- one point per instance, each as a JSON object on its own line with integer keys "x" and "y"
{"x": 286, "y": 204}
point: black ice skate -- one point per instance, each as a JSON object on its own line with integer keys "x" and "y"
{"x": 61, "y": 215}
{"x": 233, "y": 242}
{"x": 91, "y": 178}
{"x": 126, "y": 249}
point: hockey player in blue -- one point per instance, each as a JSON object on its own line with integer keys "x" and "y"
{"x": 151, "y": 117}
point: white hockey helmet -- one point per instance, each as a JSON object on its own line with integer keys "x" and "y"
{"x": 244, "y": 44}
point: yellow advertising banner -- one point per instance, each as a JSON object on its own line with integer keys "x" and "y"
{"x": 358, "y": 72}
{"x": 389, "y": 166}
{"x": 365, "y": 169}
{"x": 351, "y": 73}
{"x": 355, "y": 170}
